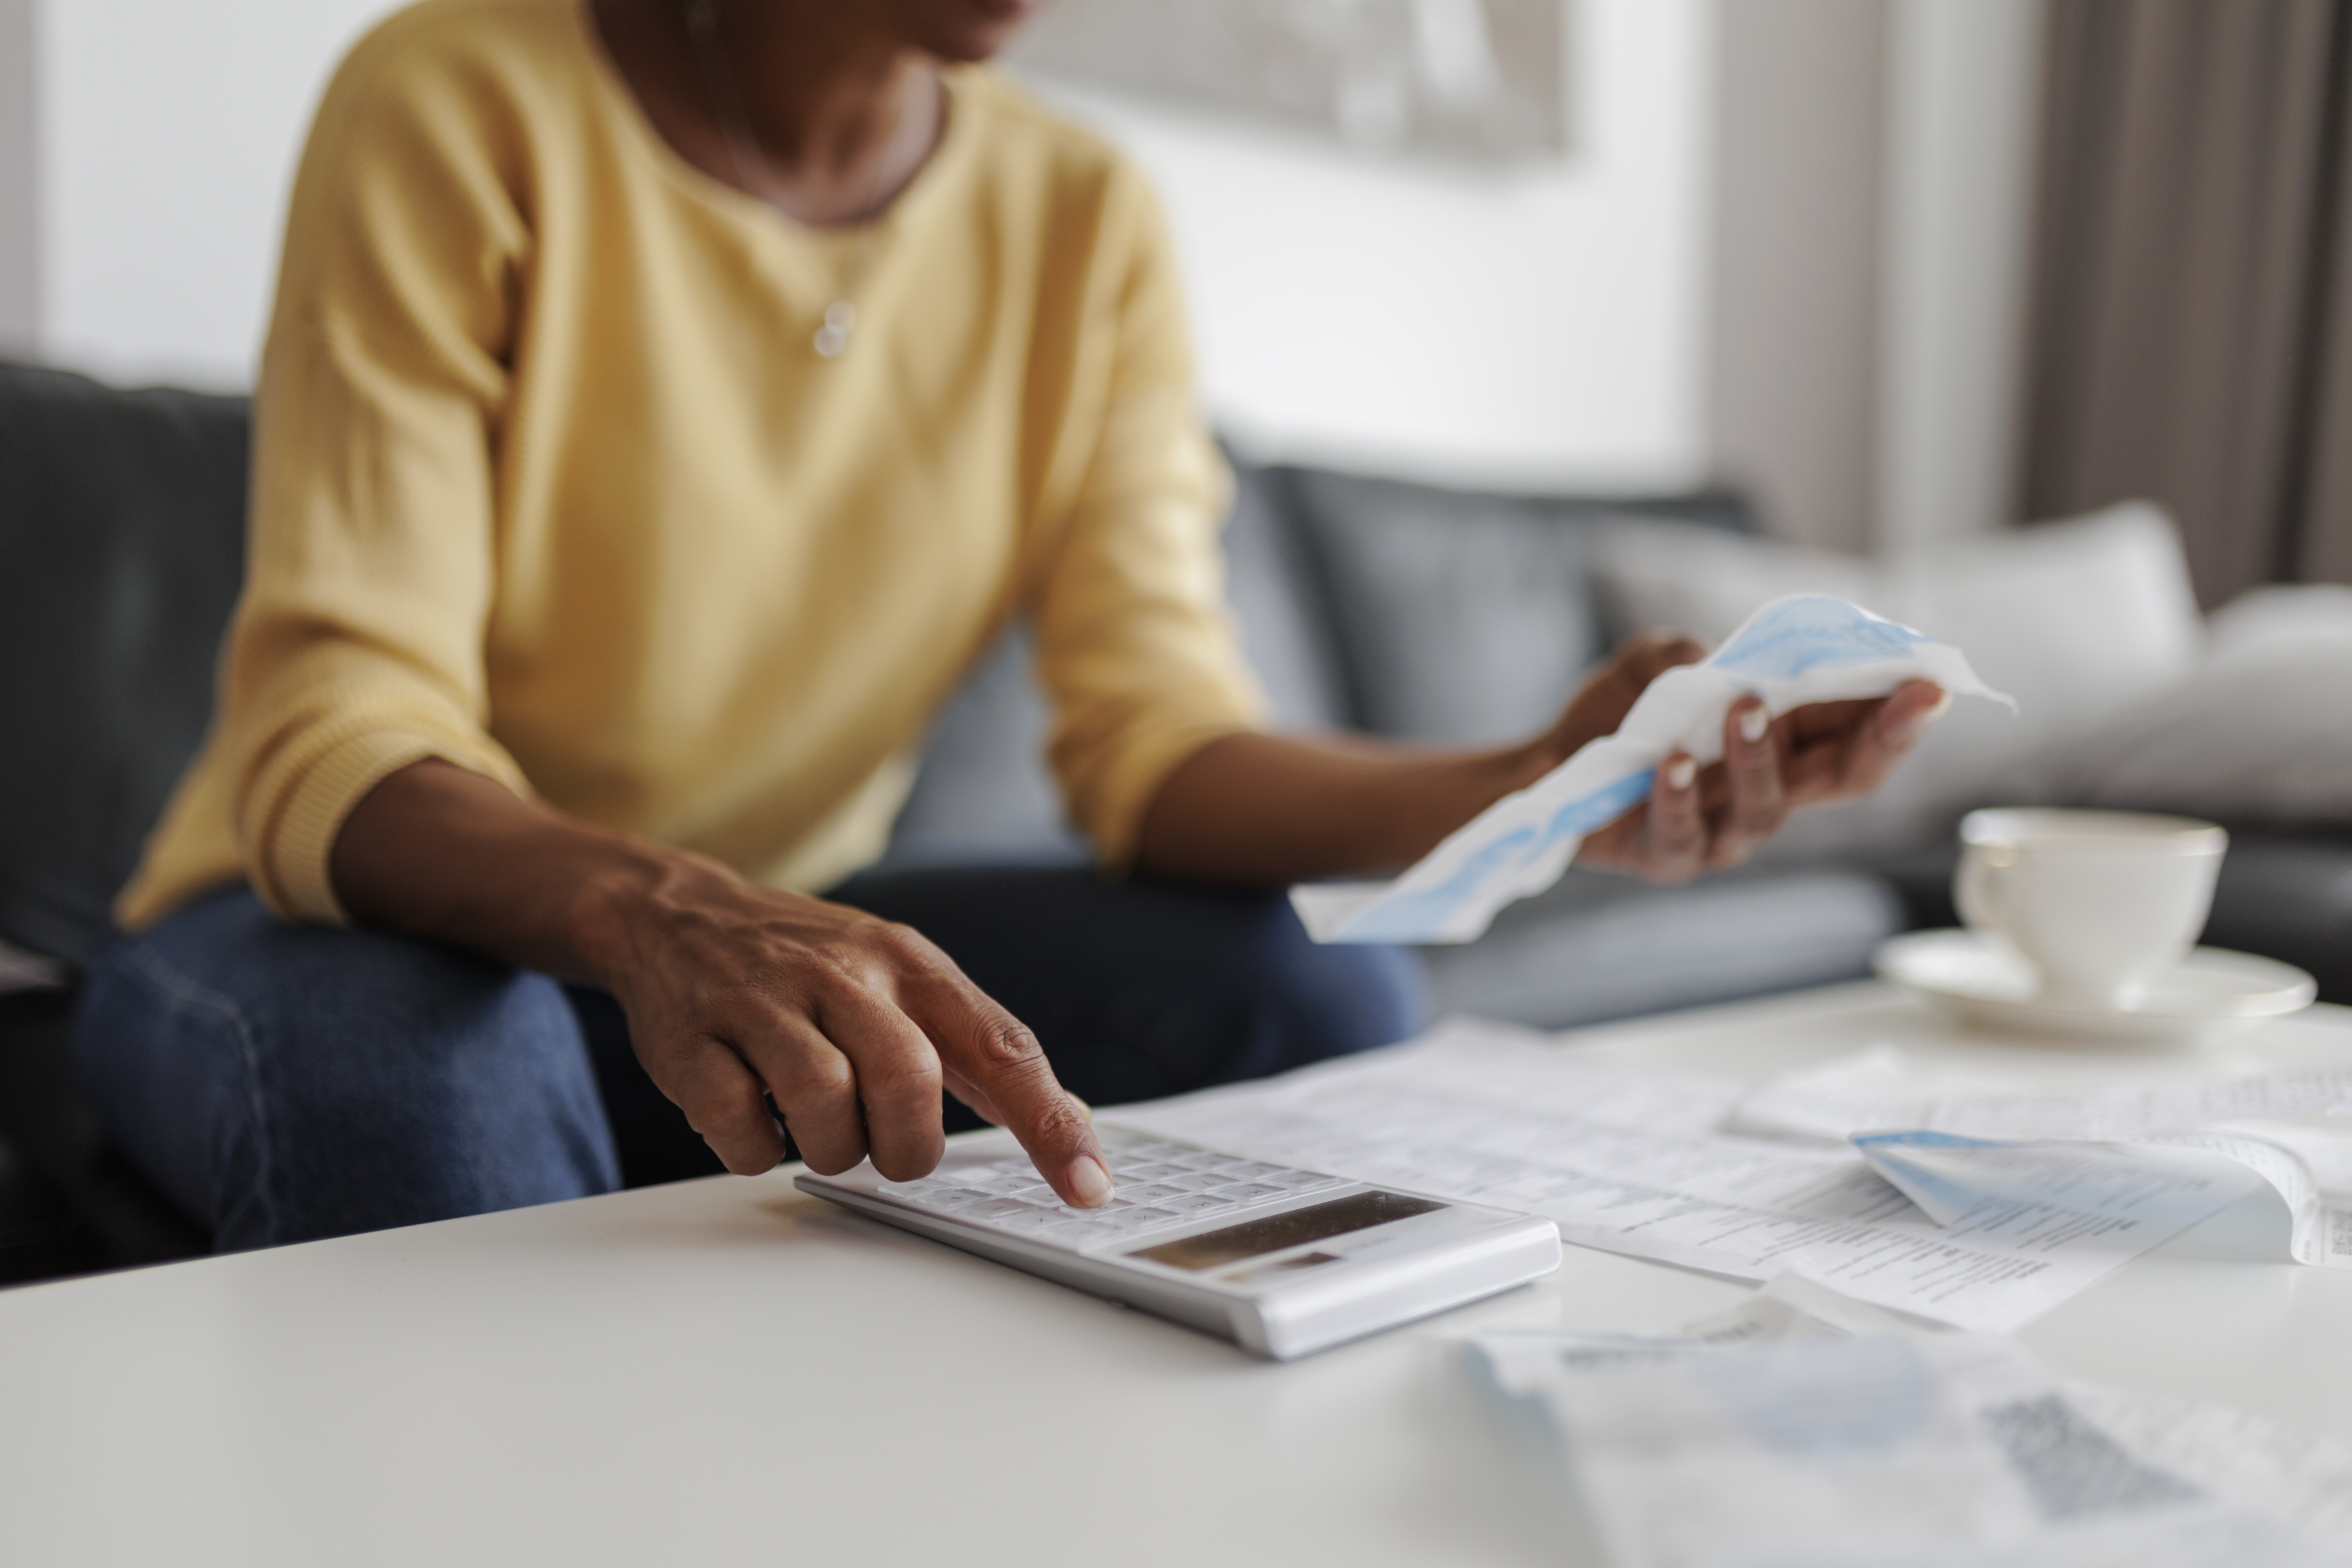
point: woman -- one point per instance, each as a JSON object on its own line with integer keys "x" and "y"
{"x": 664, "y": 404}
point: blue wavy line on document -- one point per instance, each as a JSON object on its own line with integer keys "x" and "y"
{"x": 1810, "y": 633}
{"x": 1420, "y": 916}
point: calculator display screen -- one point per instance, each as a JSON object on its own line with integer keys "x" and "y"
{"x": 1255, "y": 1237}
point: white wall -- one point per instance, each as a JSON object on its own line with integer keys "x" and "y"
{"x": 167, "y": 140}
{"x": 1544, "y": 326}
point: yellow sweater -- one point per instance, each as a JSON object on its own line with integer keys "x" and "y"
{"x": 550, "y": 481}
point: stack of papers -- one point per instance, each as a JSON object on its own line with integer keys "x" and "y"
{"x": 1636, "y": 1162}
{"x": 1804, "y": 1429}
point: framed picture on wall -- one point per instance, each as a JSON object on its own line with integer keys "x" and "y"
{"x": 1484, "y": 80}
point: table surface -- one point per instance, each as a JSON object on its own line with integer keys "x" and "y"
{"x": 688, "y": 1373}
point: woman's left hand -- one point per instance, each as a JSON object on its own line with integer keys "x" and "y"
{"x": 1702, "y": 820}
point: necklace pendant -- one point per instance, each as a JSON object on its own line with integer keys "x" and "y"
{"x": 832, "y": 338}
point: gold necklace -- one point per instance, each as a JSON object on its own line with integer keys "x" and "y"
{"x": 831, "y": 339}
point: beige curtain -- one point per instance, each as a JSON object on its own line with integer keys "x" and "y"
{"x": 2191, "y": 333}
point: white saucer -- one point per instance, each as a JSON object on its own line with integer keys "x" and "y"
{"x": 1984, "y": 983}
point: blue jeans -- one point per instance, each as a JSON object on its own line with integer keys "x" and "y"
{"x": 282, "y": 1083}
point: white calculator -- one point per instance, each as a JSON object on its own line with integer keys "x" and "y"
{"x": 1280, "y": 1262}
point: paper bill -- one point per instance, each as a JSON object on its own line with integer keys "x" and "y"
{"x": 1802, "y": 1430}
{"x": 1804, "y": 648}
{"x": 2292, "y": 1130}
{"x": 1635, "y": 1162}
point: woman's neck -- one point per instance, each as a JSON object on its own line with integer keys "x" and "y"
{"x": 802, "y": 103}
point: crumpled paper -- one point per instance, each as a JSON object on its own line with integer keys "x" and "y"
{"x": 1800, "y": 649}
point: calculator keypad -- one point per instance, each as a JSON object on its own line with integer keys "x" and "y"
{"x": 1161, "y": 1183}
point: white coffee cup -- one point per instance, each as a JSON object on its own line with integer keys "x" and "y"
{"x": 2098, "y": 903}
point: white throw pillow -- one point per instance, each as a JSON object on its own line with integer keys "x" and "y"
{"x": 2261, "y": 733}
{"x": 2081, "y": 621}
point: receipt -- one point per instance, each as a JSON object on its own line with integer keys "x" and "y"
{"x": 1804, "y": 648}
{"x": 1635, "y": 1162}
{"x": 1795, "y": 1430}
{"x": 2293, "y": 1131}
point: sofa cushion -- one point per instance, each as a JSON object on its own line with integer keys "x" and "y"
{"x": 1463, "y": 618}
{"x": 121, "y": 550}
{"x": 1597, "y": 946}
{"x": 983, "y": 794}
{"x": 2261, "y": 730}
{"x": 2079, "y": 620}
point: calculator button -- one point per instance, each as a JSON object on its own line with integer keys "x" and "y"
{"x": 997, "y": 1209}
{"x": 1036, "y": 1220}
{"x": 1155, "y": 1192}
{"x": 1303, "y": 1181}
{"x": 1249, "y": 1170}
{"x": 1199, "y": 1161}
{"x": 1252, "y": 1192}
{"x": 955, "y": 1197}
{"x": 1151, "y": 1170}
{"x": 1198, "y": 1180}
{"x": 1144, "y": 1219}
{"x": 1193, "y": 1203}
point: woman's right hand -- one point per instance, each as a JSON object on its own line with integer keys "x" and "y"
{"x": 736, "y": 994}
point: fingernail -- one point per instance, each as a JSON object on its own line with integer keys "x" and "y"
{"x": 1090, "y": 1182}
{"x": 1908, "y": 731}
{"x": 1680, "y": 771}
{"x": 1752, "y": 723}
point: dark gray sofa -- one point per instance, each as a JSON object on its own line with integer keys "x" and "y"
{"x": 1417, "y": 613}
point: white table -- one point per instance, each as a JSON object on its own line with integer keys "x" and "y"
{"x": 725, "y": 1372}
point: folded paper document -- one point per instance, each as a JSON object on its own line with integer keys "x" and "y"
{"x": 2293, "y": 1131}
{"x": 1796, "y": 1430}
{"x": 1801, "y": 649}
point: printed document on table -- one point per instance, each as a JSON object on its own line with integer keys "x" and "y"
{"x": 2291, "y": 1130}
{"x": 1631, "y": 1162}
{"x": 1798, "y": 1429}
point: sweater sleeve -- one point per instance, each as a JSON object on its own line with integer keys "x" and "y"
{"x": 357, "y": 648}
{"x": 1136, "y": 645}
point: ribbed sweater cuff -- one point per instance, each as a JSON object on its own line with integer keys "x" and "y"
{"x": 289, "y": 866}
